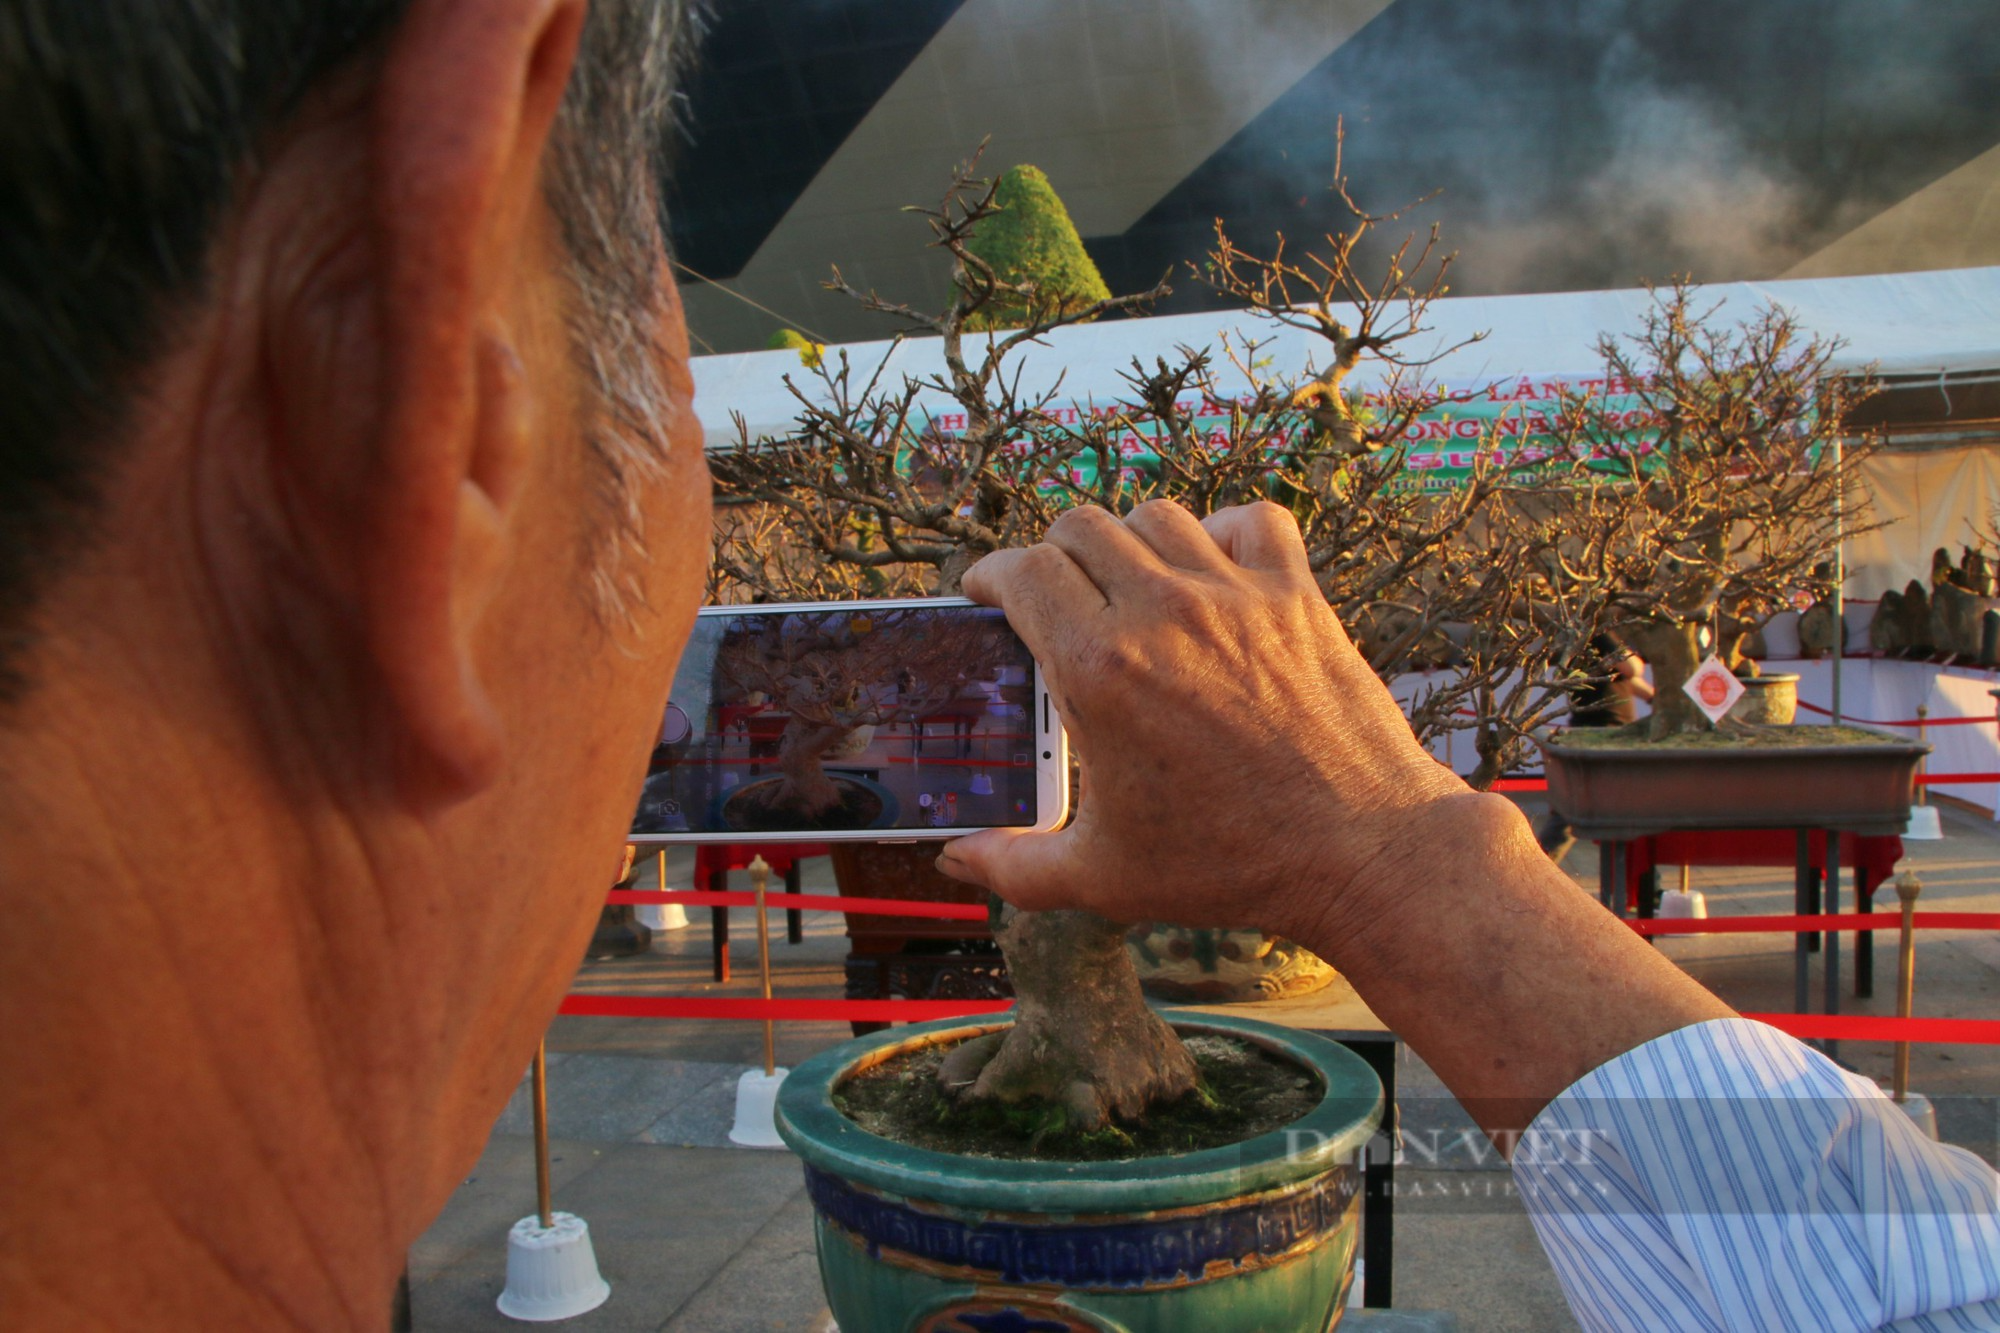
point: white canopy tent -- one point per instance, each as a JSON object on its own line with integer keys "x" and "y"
{"x": 1925, "y": 499}
{"x": 1943, "y": 323}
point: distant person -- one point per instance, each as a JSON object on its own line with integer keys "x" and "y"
{"x": 1610, "y": 696}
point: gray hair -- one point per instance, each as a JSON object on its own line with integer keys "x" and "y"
{"x": 126, "y": 132}
{"x": 612, "y": 155}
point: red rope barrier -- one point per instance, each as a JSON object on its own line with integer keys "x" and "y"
{"x": 1858, "y": 1027}
{"x": 1913, "y": 722}
{"x": 1799, "y": 925}
{"x": 1882, "y": 1027}
{"x": 1841, "y": 1027}
{"x": 783, "y": 1011}
{"x": 810, "y": 902}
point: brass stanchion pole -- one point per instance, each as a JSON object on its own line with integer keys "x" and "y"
{"x": 541, "y": 1079}
{"x": 760, "y": 878}
{"x": 1908, "y": 886}
{"x": 1923, "y": 761}
{"x": 551, "y": 1267}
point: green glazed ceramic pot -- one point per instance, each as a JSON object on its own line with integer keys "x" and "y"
{"x": 1256, "y": 1236}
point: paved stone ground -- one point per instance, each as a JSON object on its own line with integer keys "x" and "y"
{"x": 698, "y": 1236}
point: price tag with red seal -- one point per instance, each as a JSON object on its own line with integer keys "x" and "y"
{"x": 1714, "y": 688}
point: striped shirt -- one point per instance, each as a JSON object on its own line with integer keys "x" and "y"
{"x": 1728, "y": 1177}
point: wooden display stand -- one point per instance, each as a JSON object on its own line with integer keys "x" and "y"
{"x": 915, "y": 957}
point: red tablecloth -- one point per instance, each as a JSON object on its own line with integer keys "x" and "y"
{"x": 714, "y": 860}
{"x": 1874, "y": 857}
{"x": 710, "y": 857}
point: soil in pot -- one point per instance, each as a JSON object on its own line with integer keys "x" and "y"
{"x": 761, "y": 806}
{"x": 1244, "y": 1091}
{"x": 1722, "y": 738}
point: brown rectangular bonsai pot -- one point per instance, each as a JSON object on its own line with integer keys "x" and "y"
{"x": 1629, "y": 791}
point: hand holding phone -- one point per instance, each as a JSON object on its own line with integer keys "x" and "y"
{"x": 1241, "y": 763}
{"x": 854, "y": 721}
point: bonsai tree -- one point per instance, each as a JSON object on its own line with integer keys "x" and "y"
{"x": 879, "y": 490}
{"x": 792, "y": 340}
{"x": 1710, "y": 465}
{"x": 824, "y": 673}
{"x": 1033, "y": 250}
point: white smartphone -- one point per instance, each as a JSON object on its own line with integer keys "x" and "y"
{"x": 872, "y": 721}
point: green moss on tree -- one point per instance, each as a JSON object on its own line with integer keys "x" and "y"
{"x": 1032, "y": 240}
{"x": 808, "y": 350}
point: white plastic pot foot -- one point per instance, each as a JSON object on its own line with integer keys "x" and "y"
{"x": 1674, "y": 903}
{"x": 1919, "y": 1109}
{"x": 757, "y": 1110}
{"x": 551, "y": 1271}
{"x": 663, "y": 916}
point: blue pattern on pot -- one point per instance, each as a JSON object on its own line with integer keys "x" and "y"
{"x": 1111, "y": 1254}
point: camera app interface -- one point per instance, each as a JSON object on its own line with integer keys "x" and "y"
{"x": 867, "y": 718}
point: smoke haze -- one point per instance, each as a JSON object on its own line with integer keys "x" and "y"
{"x": 1597, "y": 143}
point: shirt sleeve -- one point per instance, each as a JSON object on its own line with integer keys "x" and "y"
{"x": 1728, "y": 1177}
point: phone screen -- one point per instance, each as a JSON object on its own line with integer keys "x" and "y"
{"x": 853, "y": 718}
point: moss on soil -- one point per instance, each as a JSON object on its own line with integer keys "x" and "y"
{"x": 1244, "y": 1091}
{"x": 1734, "y": 738}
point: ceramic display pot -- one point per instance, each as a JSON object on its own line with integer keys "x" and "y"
{"x": 1626, "y": 791}
{"x": 1772, "y": 700}
{"x": 1257, "y": 1235}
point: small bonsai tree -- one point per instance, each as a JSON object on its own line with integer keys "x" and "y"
{"x": 792, "y": 340}
{"x": 873, "y": 492}
{"x": 1033, "y": 250}
{"x": 1711, "y": 466}
{"x": 823, "y": 673}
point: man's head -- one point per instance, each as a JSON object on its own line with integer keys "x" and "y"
{"x": 127, "y": 132}
{"x": 354, "y": 518}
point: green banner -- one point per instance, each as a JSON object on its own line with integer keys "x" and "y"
{"x": 1507, "y": 423}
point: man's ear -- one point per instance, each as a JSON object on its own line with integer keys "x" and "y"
{"x": 463, "y": 113}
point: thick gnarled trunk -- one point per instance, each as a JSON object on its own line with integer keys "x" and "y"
{"x": 1082, "y": 1037}
{"x": 806, "y": 788}
{"x": 1673, "y": 650}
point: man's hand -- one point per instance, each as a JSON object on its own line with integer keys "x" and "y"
{"x": 1243, "y": 766}
{"x": 1241, "y": 763}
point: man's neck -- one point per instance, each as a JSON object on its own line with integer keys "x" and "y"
{"x": 178, "y": 1088}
